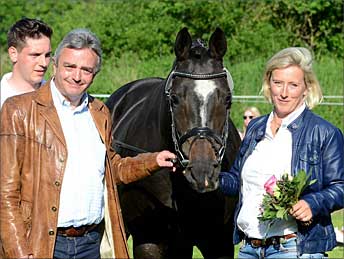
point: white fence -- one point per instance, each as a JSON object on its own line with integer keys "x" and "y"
{"x": 335, "y": 100}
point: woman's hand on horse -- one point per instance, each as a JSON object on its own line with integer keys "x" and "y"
{"x": 164, "y": 159}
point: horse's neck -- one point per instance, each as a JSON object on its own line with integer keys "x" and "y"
{"x": 164, "y": 116}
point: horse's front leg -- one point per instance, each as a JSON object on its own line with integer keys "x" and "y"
{"x": 150, "y": 250}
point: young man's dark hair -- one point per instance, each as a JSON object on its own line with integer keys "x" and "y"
{"x": 27, "y": 28}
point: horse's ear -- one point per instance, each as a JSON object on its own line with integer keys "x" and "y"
{"x": 183, "y": 44}
{"x": 218, "y": 44}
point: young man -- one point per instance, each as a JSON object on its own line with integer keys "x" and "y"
{"x": 58, "y": 170}
{"x": 29, "y": 49}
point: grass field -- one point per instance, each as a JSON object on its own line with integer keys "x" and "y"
{"x": 337, "y": 253}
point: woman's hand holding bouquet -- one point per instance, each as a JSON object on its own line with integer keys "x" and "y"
{"x": 282, "y": 198}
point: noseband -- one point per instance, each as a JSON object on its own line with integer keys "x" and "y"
{"x": 198, "y": 132}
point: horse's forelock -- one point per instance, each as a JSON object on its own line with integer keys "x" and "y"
{"x": 198, "y": 43}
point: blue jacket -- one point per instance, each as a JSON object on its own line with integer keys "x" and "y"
{"x": 318, "y": 148}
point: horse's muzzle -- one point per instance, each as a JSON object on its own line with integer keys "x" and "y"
{"x": 203, "y": 175}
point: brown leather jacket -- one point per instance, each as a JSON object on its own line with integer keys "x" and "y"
{"x": 32, "y": 162}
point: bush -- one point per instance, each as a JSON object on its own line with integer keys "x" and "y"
{"x": 148, "y": 28}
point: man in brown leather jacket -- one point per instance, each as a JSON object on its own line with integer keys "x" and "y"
{"x": 58, "y": 170}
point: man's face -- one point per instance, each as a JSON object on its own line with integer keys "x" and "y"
{"x": 74, "y": 72}
{"x": 32, "y": 61}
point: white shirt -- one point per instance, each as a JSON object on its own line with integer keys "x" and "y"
{"x": 82, "y": 191}
{"x": 6, "y": 90}
{"x": 271, "y": 156}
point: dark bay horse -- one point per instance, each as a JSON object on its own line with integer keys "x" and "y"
{"x": 188, "y": 114}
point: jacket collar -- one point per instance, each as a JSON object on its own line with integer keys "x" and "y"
{"x": 259, "y": 126}
{"x": 43, "y": 95}
{"x": 293, "y": 126}
{"x": 48, "y": 110}
{"x": 45, "y": 100}
{"x": 298, "y": 122}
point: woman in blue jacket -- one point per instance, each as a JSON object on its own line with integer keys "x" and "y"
{"x": 289, "y": 139}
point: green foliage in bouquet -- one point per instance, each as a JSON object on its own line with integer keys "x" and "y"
{"x": 282, "y": 194}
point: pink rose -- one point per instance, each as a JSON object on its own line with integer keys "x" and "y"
{"x": 270, "y": 185}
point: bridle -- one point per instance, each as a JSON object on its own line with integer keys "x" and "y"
{"x": 197, "y": 132}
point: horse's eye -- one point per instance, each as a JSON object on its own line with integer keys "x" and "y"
{"x": 174, "y": 99}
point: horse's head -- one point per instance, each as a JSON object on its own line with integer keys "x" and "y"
{"x": 199, "y": 94}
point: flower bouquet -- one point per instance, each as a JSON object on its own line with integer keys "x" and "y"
{"x": 282, "y": 194}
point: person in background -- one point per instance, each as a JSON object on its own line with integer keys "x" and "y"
{"x": 58, "y": 169}
{"x": 29, "y": 49}
{"x": 249, "y": 114}
{"x": 289, "y": 139}
{"x": 339, "y": 235}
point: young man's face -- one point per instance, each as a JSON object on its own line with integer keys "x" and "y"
{"x": 31, "y": 62}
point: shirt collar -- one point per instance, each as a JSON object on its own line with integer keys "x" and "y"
{"x": 60, "y": 100}
{"x": 286, "y": 121}
{"x": 290, "y": 118}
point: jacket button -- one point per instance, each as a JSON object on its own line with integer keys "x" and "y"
{"x": 51, "y": 232}
{"x": 57, "y": 183}
{"x": 53, "y": 208}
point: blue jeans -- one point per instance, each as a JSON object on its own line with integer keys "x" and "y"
{"x": 87, "y": 246}
{"x": 287, "y": 250}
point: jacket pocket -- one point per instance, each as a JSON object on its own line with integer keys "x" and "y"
{"x": 310, "y": 157}
{"x": 26, "y": 211}
{"x": 310, "y": 162}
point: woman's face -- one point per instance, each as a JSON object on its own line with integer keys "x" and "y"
{"x": 288, "y": 90}
{"x": 248, "y": 116}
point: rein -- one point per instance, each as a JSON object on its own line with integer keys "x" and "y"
{"x": 198, "y": 132}
{"x": 129, "y": 147}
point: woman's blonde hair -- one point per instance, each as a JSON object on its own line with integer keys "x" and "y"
{"x": 302, "y": 58}
{"x": 254, "y": 110}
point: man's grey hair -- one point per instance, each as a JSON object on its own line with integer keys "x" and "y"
{"x": 80, "y": 39}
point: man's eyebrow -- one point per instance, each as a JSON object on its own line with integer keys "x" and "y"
{"x": 88, "y": 68}
{"x": 36, "y": 53}
{"x": 67, "y": 64}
